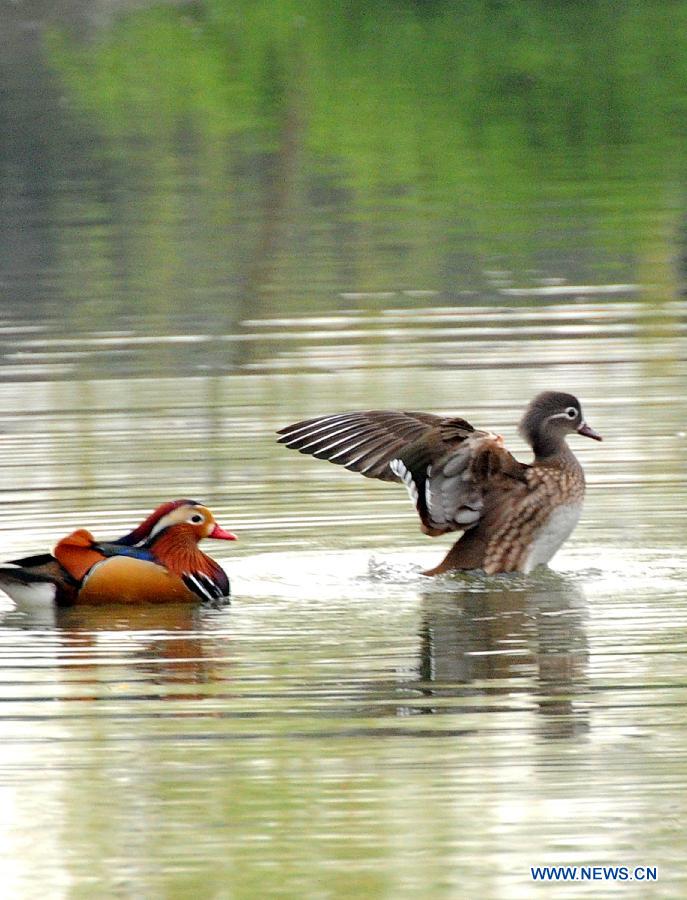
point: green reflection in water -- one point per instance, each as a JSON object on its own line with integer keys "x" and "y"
{"x": 280, "y": 152}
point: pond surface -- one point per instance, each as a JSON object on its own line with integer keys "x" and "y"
{"x": 172, "y": 293}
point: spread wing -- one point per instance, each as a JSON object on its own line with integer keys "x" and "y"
{"x": 364, "y": 442}
{"x": 453, "y": 472}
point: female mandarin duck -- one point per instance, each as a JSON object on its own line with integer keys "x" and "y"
{"x": 513, "y": 516}
{"x": 158, "y": 562}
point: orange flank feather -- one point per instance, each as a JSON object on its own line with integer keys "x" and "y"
{"x": 75, "y": 553}
{"x": 121, "y": 579}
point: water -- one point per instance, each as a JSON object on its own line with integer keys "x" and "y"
{"x": 185, "y": 271}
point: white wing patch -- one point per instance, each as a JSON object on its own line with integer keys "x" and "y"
{"x": 428, "y": 493}
{"x": 399, "y": 468}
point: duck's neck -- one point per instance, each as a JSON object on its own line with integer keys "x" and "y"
{"x": 176, "y": 548}
{"x": 547, "y": 447}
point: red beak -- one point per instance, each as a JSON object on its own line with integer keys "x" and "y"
{"x": 584, "y": 429}
{"x": 221, "y": 535}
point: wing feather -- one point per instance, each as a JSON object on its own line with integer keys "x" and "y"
{"x": 364, "y": 442}
{"x": 453, "y": 473}
{"x": 463, "y": 486}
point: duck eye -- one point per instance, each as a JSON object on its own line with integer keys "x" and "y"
{"x": 571, "y": 412}
{"x": 196, "y": 519}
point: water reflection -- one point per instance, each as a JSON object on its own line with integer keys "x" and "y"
{"x": 180, "y": 197}
{"x": 163, "y": 644}
{"x": 510, "y": 644}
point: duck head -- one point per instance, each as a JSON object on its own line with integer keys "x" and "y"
{"x": 550, "y": 417}
{"x": 199, "y": 520}
{"x": 177, "y": 512}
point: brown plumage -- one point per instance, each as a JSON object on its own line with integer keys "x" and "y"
{"x": 513, "y": 516}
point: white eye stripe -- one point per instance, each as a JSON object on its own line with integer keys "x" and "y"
{"x": 175, "y": 518}
{"x": 164, "y": 522}
{"x": 564, "y": 415}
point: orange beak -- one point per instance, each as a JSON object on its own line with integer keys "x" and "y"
{"x": 221, "y": 535}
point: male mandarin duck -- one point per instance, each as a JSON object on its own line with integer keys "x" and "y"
{"x": 513, "y": 516}
{"x": 158, "y": 562}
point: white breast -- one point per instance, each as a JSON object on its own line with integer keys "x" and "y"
{"x": 553, "y": 533}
